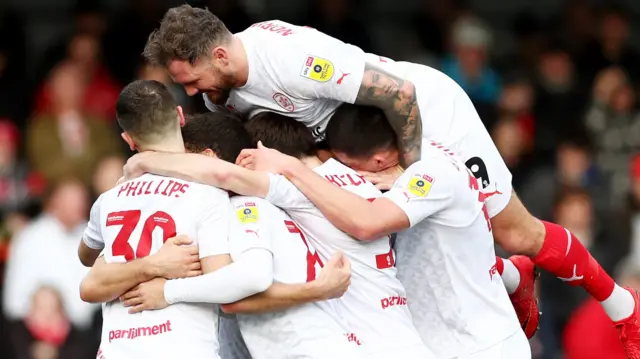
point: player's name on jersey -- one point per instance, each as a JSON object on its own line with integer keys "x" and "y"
{"x": 346, "y": 179}
{"x": 163, "y": 187}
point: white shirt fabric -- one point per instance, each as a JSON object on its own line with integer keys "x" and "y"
{"x": 305, "y": 74}
{"x": 131, "y": 221}
{"x": 446, "y": 260}
{"x": 309, "y": 331}
{"x": 46, "y": 254}
{"x": 375, "y": 306}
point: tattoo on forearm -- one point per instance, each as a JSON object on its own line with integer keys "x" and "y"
{"x": 397, "y": 97}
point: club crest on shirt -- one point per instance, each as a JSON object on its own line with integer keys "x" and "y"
{"x": 317, "y": 69}
{"x": 420, "y": 185}
{"x": 284, "y": 102}
{"x": 248, "y": 213}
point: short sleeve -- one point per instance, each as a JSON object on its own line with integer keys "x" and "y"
{"x": 286, "y": 195}
{"x": 422, "y": 191}
{"x": 250, "y": 225}
{"x": 318, "y": 66}
{"x": 92, "y": 236}
{"x": 214, "y": 225}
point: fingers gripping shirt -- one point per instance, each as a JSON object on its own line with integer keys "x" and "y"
{"x": 299, "y": 72}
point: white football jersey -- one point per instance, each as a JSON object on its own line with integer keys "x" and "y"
{"x": 305, "y": 74}
{"x": 132, "y": 221}
{"x": 375, "y": 306}
{"x": 308, "y": 331}
{"x": 446, "y": 260}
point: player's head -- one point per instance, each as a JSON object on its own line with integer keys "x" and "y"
{"x": 148, "y": 115}
{"x": 362, "y": 138}
{"x": 197, "y": 49}
{"x": 282, "y": 133}
{"x": 219, "y": 133}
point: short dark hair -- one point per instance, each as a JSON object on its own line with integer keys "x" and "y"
{"x": 220, "y": 131}
{"x": 282, "y": 133}
{"x": 360, "y": 131}
{"x": 186, "y": 33}
{"x": 146, "y": 110}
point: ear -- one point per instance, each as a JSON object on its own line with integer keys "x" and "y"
{"x": 220, "y": 53}
{"x": 209, "y": 152}
{"x": 132, "y": 144}
{"x": 181, "y": 116}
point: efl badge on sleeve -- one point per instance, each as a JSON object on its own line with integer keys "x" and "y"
{"x": 248, "y": 213}
{"x": 420, "y": 185}
{"x": 317, "y": 69}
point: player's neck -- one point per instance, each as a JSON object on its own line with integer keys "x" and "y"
{"x": 311, "y": 161}
{"x": 166, "y": 146}
{"x": 242, "y": 72}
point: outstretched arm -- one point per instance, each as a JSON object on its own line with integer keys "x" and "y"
{"x": 202, "y": 169}
{"x": 397, "y": 98}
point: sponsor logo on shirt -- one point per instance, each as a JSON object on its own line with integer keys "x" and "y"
{"x": 420, "y": 185}
{"x": 284, "y": 102}
{"x": 248, "y": 213}
{"x": 393, "y": 301}
{"x": 317, "y": 69}
{"x": 135, "y": 332}
{"x": 352, "y": 338}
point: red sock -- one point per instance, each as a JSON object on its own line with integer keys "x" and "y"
{"x": 499, "y": 265}
{"x": 564, "y": 256}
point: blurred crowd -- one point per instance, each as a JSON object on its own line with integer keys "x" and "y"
{"x": 560, "y": 105}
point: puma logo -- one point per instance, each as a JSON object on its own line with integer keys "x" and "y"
{"x": 339, "y": 82}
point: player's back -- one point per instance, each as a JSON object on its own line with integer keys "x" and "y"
{"x": 375, "y": 306}
{"x": 447, "y": 265}
{"x": 311, "y": 330}
{"x": 136, "y": 218}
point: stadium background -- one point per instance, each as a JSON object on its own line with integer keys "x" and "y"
{"x": 554, "y": 81}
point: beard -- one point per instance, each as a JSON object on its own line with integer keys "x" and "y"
{"x": 219, "y": 97}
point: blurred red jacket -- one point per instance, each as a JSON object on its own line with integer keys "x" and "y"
{"x": 589, "y": 334}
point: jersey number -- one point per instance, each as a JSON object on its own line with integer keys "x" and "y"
{"x": 312, "y": 258}
{"x": 129, "y": 221}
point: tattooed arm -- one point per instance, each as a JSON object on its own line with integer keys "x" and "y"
{"x": 397, "y": 98}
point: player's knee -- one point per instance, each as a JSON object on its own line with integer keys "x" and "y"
{"x": 516, "y": 230}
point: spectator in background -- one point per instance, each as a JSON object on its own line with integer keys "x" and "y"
{"x": 559, "y": 101}
{"x": 127, "y": 33}
{"x": 614, "y": 125}
{"x": 627, "y": 231}
{"x": 107, "y": 174}
{"x": 45, "y": 253}
{"x": 87, "y": 18}
{"x": 612, "y": 46}
{"x": 510, "y": 141}
{"x": 338, "y": 18}
{"x": 69, "y": 142}
{"x": 469, "y": 63}
{"x": 433, "y": 23}
{"x": 15, "y": 191}
{"x": 574, "y": 168}
{"x": 574, "y": 211}
{"x": 588, "y": 333}
{"x": 100, "y": 91}
{"x": 46, "y": 333}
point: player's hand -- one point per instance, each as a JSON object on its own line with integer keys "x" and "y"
{"x": 146, "y": 296}
{"x": 264, "y": 159}
{"x": 133, "y": 168}
{"x": 335, "y": 277}
{"x": 176, "y": 259}
{"x": 384, "y": 179}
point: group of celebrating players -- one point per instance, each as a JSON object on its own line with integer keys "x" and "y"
{"x": 334, "y": 204}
